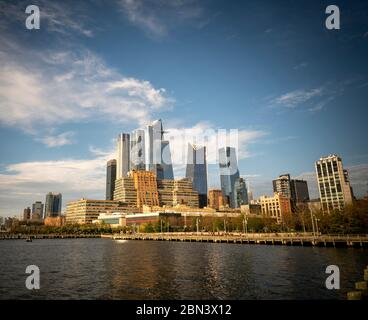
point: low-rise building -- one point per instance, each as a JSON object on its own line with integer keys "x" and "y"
{"x": 117, "y": 219}
{"x": 114, "y": 219}
{"x": 84, "y": 211}
{"x": 216, "y": 199}
{"x": 251, "y": 210}
{"x": 162, "y": 220}
{"x": 276, "y": 206}
{"x": 177, "y": 192}
{"x": 54, "y": 221}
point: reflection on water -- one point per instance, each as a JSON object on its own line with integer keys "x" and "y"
{"x": 105, "y": 269}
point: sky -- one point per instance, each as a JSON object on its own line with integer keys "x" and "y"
{"x": 293, "y": 89}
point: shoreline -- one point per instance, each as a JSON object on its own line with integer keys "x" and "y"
{"x": 336, "y": 241}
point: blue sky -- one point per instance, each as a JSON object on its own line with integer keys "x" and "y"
{"x": 294, "y": 90}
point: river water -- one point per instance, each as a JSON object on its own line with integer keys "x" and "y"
{"x": 106, "y": 269}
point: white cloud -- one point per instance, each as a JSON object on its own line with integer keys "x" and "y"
{"x": 321, "y": 104}
{"x": 316, "y": 99}
{"x": 137, "y": 15}
{"x": 155, "y": 17}
{"x": 295, "y": 98}
{"x": 58, "y": 140}
{"x": 60, "y": 87}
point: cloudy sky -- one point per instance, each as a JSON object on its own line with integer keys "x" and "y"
{"x": 294, "y": 90}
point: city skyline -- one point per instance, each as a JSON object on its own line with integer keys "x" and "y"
{"x": 213, "y": 67}
{"x": 230, "y": 170}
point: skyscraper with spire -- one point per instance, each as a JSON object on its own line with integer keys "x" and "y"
{"x": 159, "y": 155}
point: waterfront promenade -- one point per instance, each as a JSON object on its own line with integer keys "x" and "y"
{"x": 356, "y": 241}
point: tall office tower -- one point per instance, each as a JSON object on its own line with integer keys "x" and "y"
{"x": 241, "y": 192}
{"x": 37, "y": 210}
{"x": 110, "y": 179}
{"x": 27, "y": 214}
{"x": 137, "y": 150}
{"x": 155, "y": 136}
{"x": 229, "y": 174}
{"x": 196, "y": 171}
{"x": 333, "y": 183}
{"x": 123, "y": 156}
{"x": 159, "y": 156}
{"x": 53, "y": 205}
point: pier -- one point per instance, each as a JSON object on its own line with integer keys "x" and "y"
{"x": 344, "y": 241}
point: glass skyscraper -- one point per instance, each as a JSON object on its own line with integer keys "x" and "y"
{"x": 241, "y": 192}
{"x": 233, "y": 188}
{"x": 110, "y": 179}
{"x": 167, "y": 168}
{"x": 53, "y": 205}
{"x": 196, "y": 171}
{"x": 123, "y": 156}
{"x": 159, "y": 155}
{"x": 137, "y": 150}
